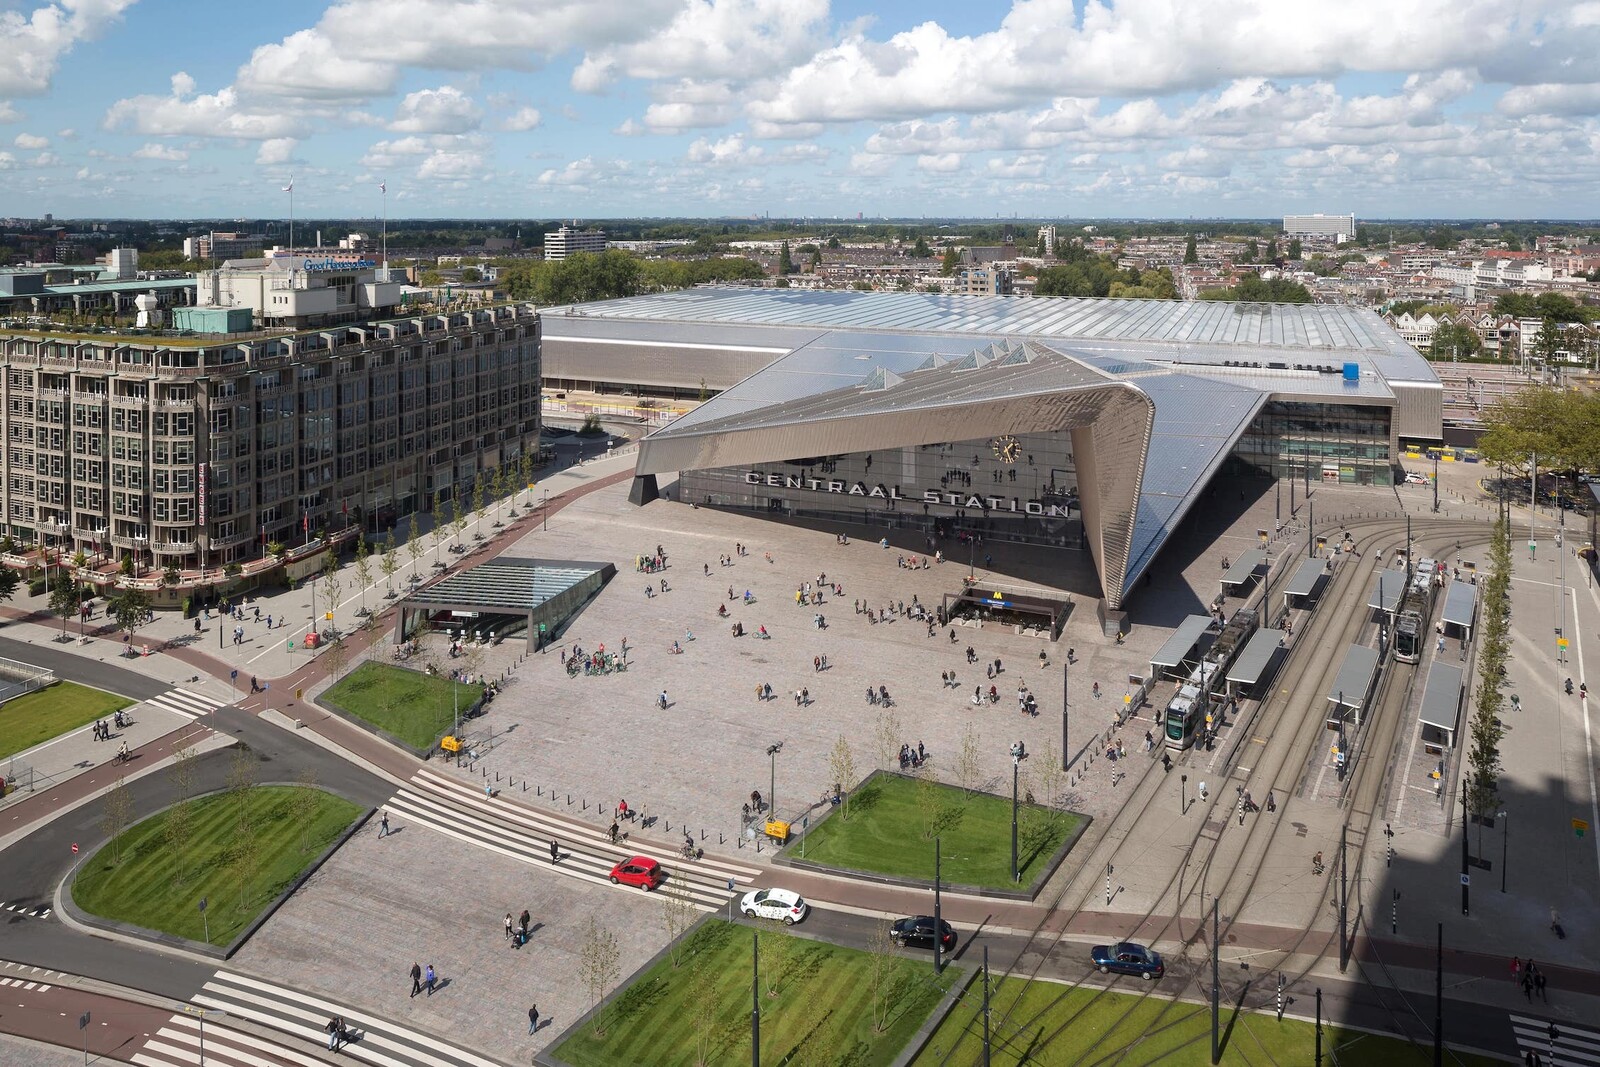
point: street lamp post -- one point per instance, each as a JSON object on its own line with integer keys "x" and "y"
{"x": 1505, "y": 846}
{"x": 1019, "y": 752}
{"x": 772, "y": 782}
{"x": 1183, "y": 794}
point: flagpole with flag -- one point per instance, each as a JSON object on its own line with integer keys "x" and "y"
{"x": 290, "y": 190}
{"x": 383, "y": 187}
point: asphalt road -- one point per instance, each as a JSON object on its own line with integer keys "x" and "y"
{"x": 35, "y": 865}
{"x": 1346, "y": 1002}
{"x": 72, "y": 667}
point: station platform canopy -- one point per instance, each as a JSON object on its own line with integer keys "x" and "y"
{"x": 1306, "y": 580}
{"x": 1388, "y": 590}
{"x": 1440, "y": 712}
{"x": 1349, "y": 690}
{"x": 1253, "y": 663}
{"x": 1180, "y": 647}
{"x": 1243, "y": 570}
{"x": 1460, "y": 608}
{"x": 505, "y": 595}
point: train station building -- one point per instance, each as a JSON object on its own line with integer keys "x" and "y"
{"x": 1082, "y": 424}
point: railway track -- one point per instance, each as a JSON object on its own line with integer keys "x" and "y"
{"x": 1235, "y": 857}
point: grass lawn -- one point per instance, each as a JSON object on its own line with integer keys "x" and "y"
{"x": 36, "y": 717}
{"x": 700, "y": 1011}
{"x": 1033, "y": 1030}
{"x": 143, "y": 887}
{"x": 413, "y": 706}
{"x": 886, "y": 833}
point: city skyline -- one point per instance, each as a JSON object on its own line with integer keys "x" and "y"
{"x": 795, "y": 108}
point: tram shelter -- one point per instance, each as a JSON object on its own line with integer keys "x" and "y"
{"x": 1440, "y": 711}
{"x": 1244, "y": 571}
{"x": 1388, "y": 590}
{"x": 1306, "y": 584}
{"x": 1460, "y": 610}
{"x": 1182, "y": 651}
{"x": 1351, "y": 686}
{"x": 1257, "y": 665}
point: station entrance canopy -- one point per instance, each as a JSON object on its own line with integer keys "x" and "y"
{"x": 504, "y": 596}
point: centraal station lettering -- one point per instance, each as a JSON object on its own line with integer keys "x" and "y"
{"x": 892, "y": 492}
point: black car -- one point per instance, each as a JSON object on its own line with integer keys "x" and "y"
{"x": 918, "y": 930}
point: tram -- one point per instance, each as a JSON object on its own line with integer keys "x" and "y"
{"x": 1415, "y": 612}
{"x": 1186, "y": 711}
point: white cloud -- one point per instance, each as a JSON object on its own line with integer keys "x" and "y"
{"x": 31, "y": 140}
{"x": 9, "y": 113}
{"x": 386, "y": 154}
{"x": 218, "y": 114}
{"x": 37, "y": 41}
{"x": 713, "y": 39}
{"x": 940, "y": 163}
{"x": 164, "y": 153}
{"x": 67, "y": 134}
{"x": 8, "y": 161}
{"x": 442, "y": 110}
{"x": 307, "y": 65}
{"x": 275, "y": 151}
{"x": 453, "y": 164}
{"x": 524, "y": 118}
{"x": 578, "y": 172}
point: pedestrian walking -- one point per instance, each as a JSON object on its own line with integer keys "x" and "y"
{"x": 1516, "y": 969}
{"x": 614, "y": 829}
{"x": 416, "y": 978}
{"x": 335, "y": 1025}
{"x": 1538, "y": 984}
{"x": 533, "y": 1019}
{"x": 429, "y": 978}
{"x": 383, "y": 825}
{"x": 525, "y": 921}
{"x": 555, "y": 851}
{"x": 1272, "y": 803}
{"x": 805, "y": 697}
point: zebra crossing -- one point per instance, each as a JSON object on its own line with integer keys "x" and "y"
{"x": 180, "y": 1041}
{"x": 21, "y": 983}
{"x": 1568, "y": 1045}
{"x": 448, "y": 806}
{"x": 303, "y": 1016}
{"x": 189, "y": 704}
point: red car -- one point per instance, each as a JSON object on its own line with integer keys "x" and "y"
{"x": 641, "y": 871}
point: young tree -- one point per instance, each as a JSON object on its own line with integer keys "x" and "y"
{"x": 677, "y": 914}
{"x": 458, "y": 514}
{"x": 363, "y": 568}
{"x": 480, "y": 497}
{"x": 842, "y": 766}
{"x": 413, "y": 544}
{"x": 119, "y": 808}
{"x": 969, "y": 761}
{"x": 437, "y": 515}
{"x": 306, "y": 799}
{"x": 598, "y": 967}
{"x": 703, "y": 982}
{"x": 64, "y": 598}
{"x": 886, "y": 734}
{"x": 885, "y": 976}
{"x": 241, "y": 781}
{"x": 130, "y": 608}
{"x": 337, "y": 655}
{"x": 9, "y": 581}
{"x": 389, "y": 563}
{"x": 179, "y": 819}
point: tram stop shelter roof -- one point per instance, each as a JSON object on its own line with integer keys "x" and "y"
{"x": 1259, "y": 655}
{"x": 1243, "y": 570}
{"x": 1388, "y": 589}
{"x": 1440, "y": 711}
{"x": 1180, "y": 647}
{"x": 1306, "y": 580}
{"x": 509, "y": 591}
{"x": 1460, "y": 607}
{"x": 1349, "y": 689}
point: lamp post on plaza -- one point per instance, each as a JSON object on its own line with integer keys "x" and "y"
{"x": 1505, "y": 839}
{"x": 1019, "y": 752}
{"x": 772, "y": 782}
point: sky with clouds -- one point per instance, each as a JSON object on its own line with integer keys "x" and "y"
{"x": 575, "y": 108}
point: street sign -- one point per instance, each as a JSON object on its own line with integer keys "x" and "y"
{"x": 291, "y": 644}
{"x": 74, "y": 848}
{"x": 328, "y": 615}
{"x": 83, "y": 1021}
{"x": 299, "y": 692}
{"x": 1579, "y": 827}
{"x": 233, "y": 675}
{"x": 202, "y": 903}
{"x": 1561, "y": 643}
{"x": 1466, "y": 879}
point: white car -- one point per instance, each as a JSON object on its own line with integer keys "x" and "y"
{"x": 774, "y": 904}
{"x": 1413, "y": 478}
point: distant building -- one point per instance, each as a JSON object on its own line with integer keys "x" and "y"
{"x": 223, "y": 245}
{"x": 121, "y": 263}
{"x": 1047, "y": 237}
{"x": 302, "y": 291}
{"x": 1319, "y": 225}
{"x": 566, "y": 241}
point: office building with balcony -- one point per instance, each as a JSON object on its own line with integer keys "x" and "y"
{"x": 566, "y": 241}
{"x": 1339, "y": 227}
{"x": 194, "y": 454}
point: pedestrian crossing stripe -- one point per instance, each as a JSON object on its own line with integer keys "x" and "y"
{"x": 178, "y": 1043}
{"x": 183, "y": 702}
{"x": 20, "y": 984}
{"x": 1576, "y": 1045}
{"x": 304, "y": 1015}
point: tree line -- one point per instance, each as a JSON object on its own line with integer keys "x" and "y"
{"x": 614, "y": 273}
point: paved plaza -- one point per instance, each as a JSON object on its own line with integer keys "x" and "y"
{"x": 381, "y": 904}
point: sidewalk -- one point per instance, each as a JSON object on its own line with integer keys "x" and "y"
{"x": 63, "y": 758}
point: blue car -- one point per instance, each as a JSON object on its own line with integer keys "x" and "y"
{"x": 1128, "y": 958}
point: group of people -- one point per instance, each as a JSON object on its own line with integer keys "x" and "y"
{"x": 912, "y": 758}
{"x": 1530, "y": 977}
{"x": 517, "y": 933}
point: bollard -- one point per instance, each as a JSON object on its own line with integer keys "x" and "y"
{"x": 569, "y": 800}
{"x": 524, "y": 785}
{"x": 539, "y": 791}
{"x": 668, "y": 829}
{"x": 486, "y": 772}
{"x": 720, "y": 839}
{"x": 585, "y": 805}
{"x": 496, "y": 777}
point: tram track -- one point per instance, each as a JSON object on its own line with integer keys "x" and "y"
{"x": 1332, "y": 628}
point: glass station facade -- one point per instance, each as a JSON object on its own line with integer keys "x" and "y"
{"x": 1346, "y": 443}
{"x": 1022, "y": 489}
